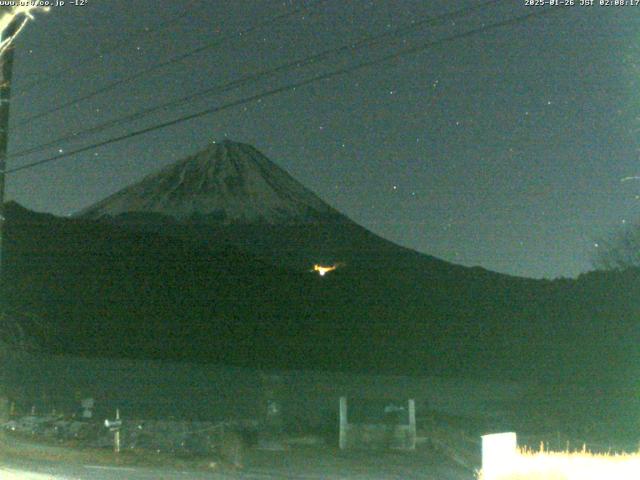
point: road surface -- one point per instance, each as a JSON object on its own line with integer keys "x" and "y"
{"x": 49, "y": 471}
{"x": 40, "y": 470}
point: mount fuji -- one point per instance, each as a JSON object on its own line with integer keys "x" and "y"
{"x": 231, "y": 194}
{"x": 227, "y": 183}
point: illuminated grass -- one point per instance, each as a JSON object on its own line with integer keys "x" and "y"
{"x": 581, "y": 465}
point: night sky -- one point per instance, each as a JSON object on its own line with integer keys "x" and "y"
{"x": 505, "y": 149}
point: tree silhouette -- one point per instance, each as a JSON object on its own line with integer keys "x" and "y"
{"x": 620, "y": 250}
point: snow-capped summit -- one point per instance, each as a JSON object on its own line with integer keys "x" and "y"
{"x": 227, "y": 183}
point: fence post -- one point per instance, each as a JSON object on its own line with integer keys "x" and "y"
{"x": 412, "y": 424}
{"x": 343, "y": 423}
{"x": 499, "y": 454}
{"x": 5, "y": 409}
{"x": 116, "y": 436}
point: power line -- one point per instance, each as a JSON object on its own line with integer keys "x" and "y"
{"x": 43, "y": 77}
{"x": 275, "y": 91}
{"x": 158, "y": 66}
{"x": 367, "y": 41}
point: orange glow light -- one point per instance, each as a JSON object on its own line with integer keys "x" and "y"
{"x": 322, "y": 270}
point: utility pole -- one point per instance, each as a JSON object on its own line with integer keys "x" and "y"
{"x": 12, "y": 20}
{"x": 6, "y": 71}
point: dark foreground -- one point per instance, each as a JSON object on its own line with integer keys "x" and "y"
{"x": 303, "y": 463}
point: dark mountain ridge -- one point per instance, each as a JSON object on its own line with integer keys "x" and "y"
{"x": 211, "y": 260}
{"x": 109, "y": 290}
